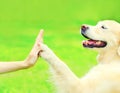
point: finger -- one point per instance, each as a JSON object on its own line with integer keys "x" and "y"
{"x": 40, "y": 35}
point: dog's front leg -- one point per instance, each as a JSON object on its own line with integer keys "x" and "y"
{"x": 62, "y": 75}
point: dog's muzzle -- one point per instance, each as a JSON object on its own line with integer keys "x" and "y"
{"x": 90, "y": 43}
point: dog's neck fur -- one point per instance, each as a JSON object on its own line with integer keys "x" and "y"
{"x": 108, "y": 56}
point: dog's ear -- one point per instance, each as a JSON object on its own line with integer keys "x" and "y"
{"x": 118, "y": 51}
{"x": 118, "y": 44}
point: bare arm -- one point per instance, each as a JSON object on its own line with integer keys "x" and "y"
{"x": 28, "y": 62}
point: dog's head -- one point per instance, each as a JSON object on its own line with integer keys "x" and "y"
{"x": 106, "y": 34}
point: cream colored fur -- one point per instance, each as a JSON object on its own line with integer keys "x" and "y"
{"x": 104, "y": 77}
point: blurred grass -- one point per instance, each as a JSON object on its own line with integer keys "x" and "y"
{"x": 20, "y": 21}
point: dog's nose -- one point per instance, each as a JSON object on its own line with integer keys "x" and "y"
{"x": 84, "y": 28}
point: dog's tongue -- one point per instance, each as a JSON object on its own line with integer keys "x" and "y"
{"x": 93, "y": 43}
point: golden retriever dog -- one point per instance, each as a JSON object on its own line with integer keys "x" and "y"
{"x": 104, "y": 77}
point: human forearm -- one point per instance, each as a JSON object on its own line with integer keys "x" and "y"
{"x": 11, "y": 66}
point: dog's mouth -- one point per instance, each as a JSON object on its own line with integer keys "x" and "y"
{"x": 90, "y": 43}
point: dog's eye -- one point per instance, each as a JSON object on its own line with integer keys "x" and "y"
{"x": 103, "y": 27}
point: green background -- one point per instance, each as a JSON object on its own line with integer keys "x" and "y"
{"x": 20, "y": 22}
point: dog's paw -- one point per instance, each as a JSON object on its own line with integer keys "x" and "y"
{"x": 45, "y": 52}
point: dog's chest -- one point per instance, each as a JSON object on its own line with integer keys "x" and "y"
{"x": 102, "y": 79}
